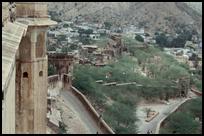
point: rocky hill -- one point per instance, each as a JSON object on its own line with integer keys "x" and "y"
{"x": 196, "y": 6}
{"x": 151, "y": 15}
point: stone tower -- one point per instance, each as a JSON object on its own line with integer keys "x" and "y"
{"x": 31, "y": 68}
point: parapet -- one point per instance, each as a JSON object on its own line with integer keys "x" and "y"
{"x": 35, "y": 13}
{"x": 31, "y": 10}
{"x": 60, "y": 56}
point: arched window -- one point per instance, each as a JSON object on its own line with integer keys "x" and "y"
{"x": 40, "y": 73}
{"x": 25, "y": 75}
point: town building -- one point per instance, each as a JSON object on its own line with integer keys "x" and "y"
{"x": 115, "y": 44}
{"x": 94, "y": 36}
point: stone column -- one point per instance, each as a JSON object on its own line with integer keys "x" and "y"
{"x": 44, "y": 47}
{"x": 33, "y": 43}
{"x": 44, "y": 30}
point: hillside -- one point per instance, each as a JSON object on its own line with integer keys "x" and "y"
{"x": 152, "y": 15}
{"x": 196, "y": 6}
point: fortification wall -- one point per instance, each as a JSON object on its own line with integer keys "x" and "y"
{"x": 196, "y": 92}
{"x": 54, "y": 84}
{"x": 8, "y": 107}
{"x": 103, "y": 126}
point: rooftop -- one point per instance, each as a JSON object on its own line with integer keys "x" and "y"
{"x": 37, "y": 21}
{"x": 89, "y": 46}
{"x": 11, "y": 37}
{"x": 31, "y": 9}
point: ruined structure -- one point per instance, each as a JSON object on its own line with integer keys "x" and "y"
{"x": 86, "y": 50}
{"x": 91, "y": 54}
{"x": 184, "y": 85}
{"x": 24, "y": 67}
{"x": 63, "y": 63}
{"x": 115, "y": 44}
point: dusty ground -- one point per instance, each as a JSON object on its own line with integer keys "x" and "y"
{"x": 74, "y": 114}
{"x": 73, "y": 123}
{"x": 80, "y": 111}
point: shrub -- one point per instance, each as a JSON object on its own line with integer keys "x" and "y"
{"x": 83, "y": 31}
{"x": 66, "y": 49}
{"x": 85, "y": 40}
{"x": 51, "y": 48}
{"x": 139, "y": 38}
{"x": 183, "y": 123}
{"x": 161, "y": 39}
{"x": 65, "y": 25}
{"x": 121, "y": 117}
{"x": 51, "y": 70}
{"x": 62, "y": 127}
{"x": 107, "y": 25}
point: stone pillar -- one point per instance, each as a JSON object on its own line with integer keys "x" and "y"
{"x": 33, "y": 44}
{"x": 67, "y": 69}
{"x": 32, "y": 97}
{"x": 45, "y": 47}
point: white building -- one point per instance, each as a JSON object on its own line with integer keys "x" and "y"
{"x": 69, "y": 23}
{"x": 69, "y": 40}
{"x": 132, "y": 31}
{"x": 102, "y": 31}
{"x": 94, "y": 36}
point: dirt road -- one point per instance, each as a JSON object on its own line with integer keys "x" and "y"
{"x": 76, "y": 106}
{"x": 164, "y": 111}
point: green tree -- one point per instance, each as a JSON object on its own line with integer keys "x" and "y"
{"x": 180, "y": 41}
{"x": 122, "y": 116}
{"x": 85, "y": 40}
{"x": 182, "y": 123}
{"x": 147, "y": 110}
{"x": 84, "y": 31}
{"x": 66, "y": 49}
{"x": 73, "y": 46}
{"x": 139, "y": 38}
{"x": 193, "y": 107}
{"x": 51, "y": 48}
{"x": 89, "y": 31}
{"x": 65, "y": 25}
{"x": 51, "y": 70}
{"x": 62, "y": 127}
{"x": 161, "y": 39}
{"x": 107, "y": 25}
{"x": 62, "y": 38}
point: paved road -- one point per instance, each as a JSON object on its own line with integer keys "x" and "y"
{"x": 164, "y": 111}
{"x": 73, "y": 103}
